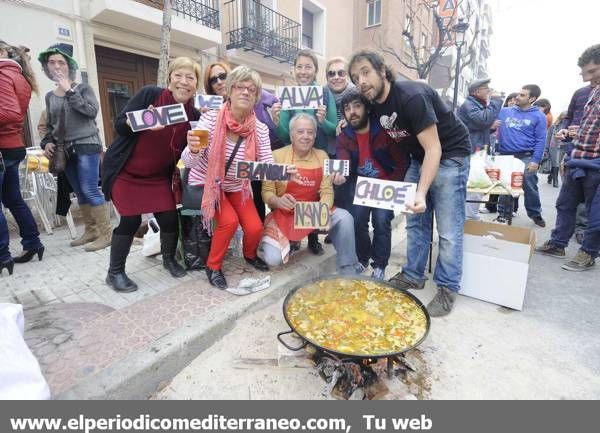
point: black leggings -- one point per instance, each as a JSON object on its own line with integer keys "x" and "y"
{"x": 167, "y": 221}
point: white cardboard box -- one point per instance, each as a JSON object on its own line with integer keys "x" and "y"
{"x": 496, "y": 262}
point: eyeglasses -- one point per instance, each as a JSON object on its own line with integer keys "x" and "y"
{"x": 340, "y": 73}
{"x": 213, "y": 80}
{"x": 241, "y": 87}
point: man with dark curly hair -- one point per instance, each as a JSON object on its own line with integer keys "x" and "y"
{"x": 582, "y": 177}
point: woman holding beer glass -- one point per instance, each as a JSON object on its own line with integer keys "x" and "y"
{"x": 138, "y": 169}
{"x": 233, "y": 130}
{"x": 16, "y": 84}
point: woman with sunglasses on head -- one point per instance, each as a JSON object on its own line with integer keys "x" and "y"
{"x": 17, "y": 82}
{"x": 235, "y": 134}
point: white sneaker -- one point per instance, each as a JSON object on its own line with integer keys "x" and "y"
{"x": 484, "y": 211}
{"x": 378, "y": 274}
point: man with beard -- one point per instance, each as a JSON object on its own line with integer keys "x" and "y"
{"x": 417, "y": 119}
{"x": 371, "y": 153}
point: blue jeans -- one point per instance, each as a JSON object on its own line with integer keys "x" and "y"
{"x": 10, "y": 195}
{"x": 83, "y": 173}
{"x": 446, "y": 197}
{"x": 573, "y": 192}
{"x": 379, "y": 250}
{"x": 533, "y": 206}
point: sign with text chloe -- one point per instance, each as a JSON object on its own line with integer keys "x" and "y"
{"x": 311, "y": 215}
{"x": 149, "y": 118}
{"x": 300, "y": 97}
{"x": 384, "y": 194}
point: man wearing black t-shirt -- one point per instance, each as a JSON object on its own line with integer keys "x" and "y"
{"x": 417, "y": 119}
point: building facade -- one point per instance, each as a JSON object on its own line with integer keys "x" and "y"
{"x": 117, "y": 42}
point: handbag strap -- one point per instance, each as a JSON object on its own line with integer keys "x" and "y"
{"x": 235, "y": 149}
{"x": 60, "y": 130}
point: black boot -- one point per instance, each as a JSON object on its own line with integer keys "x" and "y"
{"x": 555, "y": 177}
{"x": 117, "y": 278}
{"x": 168, "y": 247}
{"x": 314, "y": 245}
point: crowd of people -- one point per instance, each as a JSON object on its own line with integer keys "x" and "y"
{"x": 386, "y": 127}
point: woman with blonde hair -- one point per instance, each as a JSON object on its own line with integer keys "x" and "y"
{"x": 17, "y": 81}
{"x": 235, "y": 135}
{"x": 138, "y": 170}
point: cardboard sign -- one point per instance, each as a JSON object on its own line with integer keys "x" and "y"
{"x": 148, "y": 118}
{"x": 212, "y": 102}
{"x": 341, "y": 166}
{"x": 300, "y": 97}
{"x": 254, "y": 170}
{"x": 311, "y": 215}
{"x": 384, "y": 194}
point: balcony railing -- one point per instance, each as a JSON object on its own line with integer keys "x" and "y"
{"x": 204, "y": 12}
{"x": 255, "y": 27}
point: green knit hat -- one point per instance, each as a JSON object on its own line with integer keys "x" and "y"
{"x": 65, "y": 49}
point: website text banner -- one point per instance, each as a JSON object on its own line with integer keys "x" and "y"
{"x": 301, "y": 416}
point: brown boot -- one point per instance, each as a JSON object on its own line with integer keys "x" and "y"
{"x": 90, "y": 233}
{"x": 101, "y": 215}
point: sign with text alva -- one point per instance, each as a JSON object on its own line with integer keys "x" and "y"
{"x": 212, "y": 102}
{"x": 340, "y": 166}
{"x": 254, "y": 170}
{"x": 156, "y": 116}
{"x": 311, "y": 215}
{"x": 300, "y": 97}
{"x": 384, "y": 194}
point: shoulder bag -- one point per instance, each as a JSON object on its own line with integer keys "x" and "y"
{"x": 58, "y": 160}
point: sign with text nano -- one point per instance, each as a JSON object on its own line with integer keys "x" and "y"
{"x": 254, "y": 170}
{"x": 311, "y": 215}
{"x": 212, "y": 102}
{"x": 341, "y": 166}
{"x": 384, "y": 194}
{"x": 149, "y": 118}
{"x": 300, "y": 97}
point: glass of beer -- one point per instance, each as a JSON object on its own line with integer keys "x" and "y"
{"x": 201, "y": 132}
{"x": 573, "y": 130}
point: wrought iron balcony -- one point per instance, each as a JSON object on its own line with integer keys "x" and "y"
{"x": 255, "y": 27}
{"x": 204, "y": 12}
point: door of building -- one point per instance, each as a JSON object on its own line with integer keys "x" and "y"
{"x": 120, "y": 76}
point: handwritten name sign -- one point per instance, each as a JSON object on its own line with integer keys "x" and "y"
{"x": 341, "y": 166}
{"x": 300, "y": 97}
{"x": 156, "y": 116}
{"x": 212, "y": 102}
{"x": 254, "y": 170}
{"x": 311, "y": 215}
{"x": 384, "y": 194}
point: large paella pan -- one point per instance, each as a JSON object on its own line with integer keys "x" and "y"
{"x": 355, "y": 317}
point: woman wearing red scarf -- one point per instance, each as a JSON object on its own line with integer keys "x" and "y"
{"x": 138, "y": 168}
{"x": 226, "y": 199}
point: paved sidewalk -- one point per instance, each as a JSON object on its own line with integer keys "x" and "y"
{"x": 92, "y": 342}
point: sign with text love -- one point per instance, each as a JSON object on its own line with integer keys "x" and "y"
{"x": 212, "y": 102}
{"x": 300, "y": 97}
{"x": 341, "y": 166}
{"x": 156, "y": 116}
{"x": 311, "y": 215}
{"x": 384, "y": 194}
{"x": 254, "y": 170}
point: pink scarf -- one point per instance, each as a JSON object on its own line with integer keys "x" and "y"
{"x": 216, "y": 159}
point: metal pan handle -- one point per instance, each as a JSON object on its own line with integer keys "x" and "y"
{"x": 295, "y": 349}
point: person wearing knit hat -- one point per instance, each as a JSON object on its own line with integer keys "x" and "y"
{"x": 76, "y": 104}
